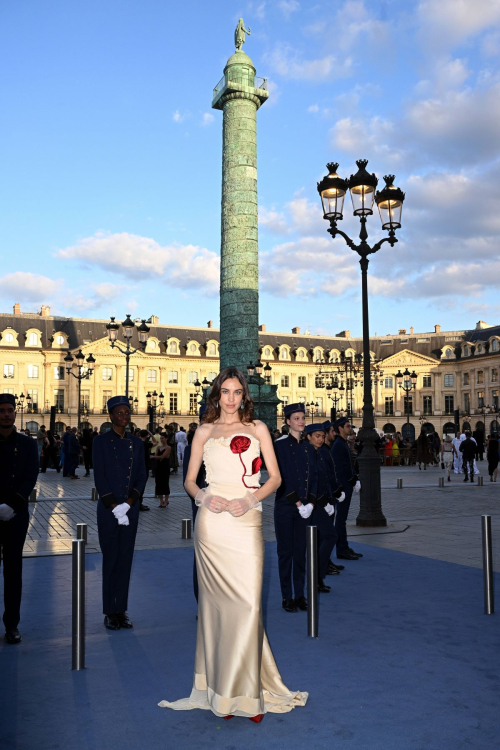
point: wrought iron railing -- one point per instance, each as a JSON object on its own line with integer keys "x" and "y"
{"x": 258, "y": 83}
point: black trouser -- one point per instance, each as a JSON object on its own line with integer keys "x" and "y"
{"x": 341, "y": 520}
{"x": 12, "y": 538}
{"x": 327, "y": 536}
{"x": 291, "y": 543}
{"x": 50, "y": 455}
{"x": 117, "y": 546}
{"x": 195, "y": 572}
{"x": 87, "y": 460}
{"x": 468, "y": 465}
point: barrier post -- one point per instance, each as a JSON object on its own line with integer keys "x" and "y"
{"x": 78, "y": 605}
{"x": 312, "y": 581}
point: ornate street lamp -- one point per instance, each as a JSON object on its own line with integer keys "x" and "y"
{"x": 267, "y": 373}
{"x": 85, "y": 371}
{"x": 362, "y": 186}
{"x": 128, "y": 326}
{"x": 254, "y": 373}
{"x": 21, "y": 407}
{"x": 407, "y": 382}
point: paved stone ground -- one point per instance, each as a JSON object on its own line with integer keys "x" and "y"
{"x": 442, "y": 524}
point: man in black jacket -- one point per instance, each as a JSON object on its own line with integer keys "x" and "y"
{"x": 18, "y": 475}
{"x": 468, "y": 449}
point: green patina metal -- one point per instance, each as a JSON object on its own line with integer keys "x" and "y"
{"x": 239, "y": 94}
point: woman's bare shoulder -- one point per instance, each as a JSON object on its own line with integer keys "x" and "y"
{"x": 203, "y": 433}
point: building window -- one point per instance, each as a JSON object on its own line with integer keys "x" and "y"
{"x": 479, "y": 349}
{"x": 7, "y": 390}
{"x": 480, "y": 399}
{"x": 192, "y": 376}
{"x": 285, "y": 381}
{"x": 33, "y": 394}
{"x": 172, "y": 347}
{"x": 466, "y": 351}
{"x": 193, "y": 403}
{"x": 33, "y": 339}
{"x": 106, "y": 395}
{"x": 494, "y": 397}
{"x": 173, "y": 403}
{"x": 85, "y": 400}
{"x": 130, "y": 375}
{"x": 212, "y": 350}
{"x": 389, "y": 383}
{"x": 389, "y": 405}
{"x": 193, "y": 348}
{"x": 494, "y": 375}
{"x": 302, "y": 381}
{"x": 427, "y": 405}
{"x": 318, "y": 355}
{"x": 449, "y": 381}
{"x": 173, "y": 376}
{"x": 151, "y": 376}
{"x": 58, "y": 372}
{"x": 107, "y": 373}
{"x": 8, "y": 338}
{"x": 8, "y": 371}
{"x": 466, "y": 378}
{"x": 427, "y": 381}
{"x": 494, "y": 345}
{"x": 480, "y": 376}
{"x": 449, "y": 404}
{"x": 284, "y": 401}
{"x": 448, "y": 353}
{"x": 300, "y": 354}
{"x": 60, "y": 340}
{"x": 211, "y": 376}
{"x": 33, "y": 372}
{"x": 467, "y": 402}
{"x": 284, "y": 353}
{"x": 408, "y": 405}
{"x": 59, "y": 400}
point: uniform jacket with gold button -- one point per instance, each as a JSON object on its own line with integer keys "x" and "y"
{"x": 298, "y": 469}
{"x": 119, "y": 467}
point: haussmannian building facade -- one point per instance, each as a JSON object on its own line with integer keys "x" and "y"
{"x": 455, "y": 370}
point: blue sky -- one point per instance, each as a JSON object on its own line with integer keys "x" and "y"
{"x": 111, "y": 157}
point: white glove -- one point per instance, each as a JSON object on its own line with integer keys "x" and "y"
{"x": 329, "y": 509}
{"x": 341, "y": 498}
{"x": 357, "y": 486}
{"x": 214, "y": 503}
{"x": 306, "y": 510}
{"x": 6, "y": 512}
{"x": 242, "y": 505}
{"x": 120, "y": 511}
{"x": 123, "y": 520}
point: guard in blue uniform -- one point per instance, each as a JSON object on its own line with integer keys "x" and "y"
{"x": 120, "y": 478}
{"x": 322, "y": 516}
{"x": 201, "y": 482}
{"x": 293, "y": 506}
{"x": 338, "y": 494}
{"x": 344, "y": 467}
{"x": 19, "y": 466}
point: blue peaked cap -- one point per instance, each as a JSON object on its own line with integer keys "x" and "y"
{"x": 293, "y": 408}
{"x": 117, "y": 401}
{"x": 318, "y": 427}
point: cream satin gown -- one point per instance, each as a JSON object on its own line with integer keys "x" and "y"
{"x": 235, "y": 671}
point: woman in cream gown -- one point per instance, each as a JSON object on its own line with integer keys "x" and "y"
{"x": 235, "y": 672}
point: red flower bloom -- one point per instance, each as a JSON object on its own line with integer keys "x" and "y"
{"x": 256, "y": 464}
{"x": 240, "y": 444}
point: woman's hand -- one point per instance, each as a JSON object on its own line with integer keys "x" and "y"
{"x": 242, "y": 505}
{"x": 214, "y": 503}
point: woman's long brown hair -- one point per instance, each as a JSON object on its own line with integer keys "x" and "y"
{"x": 213, "y": 408}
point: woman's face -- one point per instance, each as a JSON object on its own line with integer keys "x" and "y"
{"x": 297, "y": 421}
{"x": 163, "y": 439}
{"x": 231, "y": 395}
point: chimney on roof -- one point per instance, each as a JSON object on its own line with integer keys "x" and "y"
{"x": 296, "y": 331}
{"x": 344, "y": 335}
{"x": 437, "y": 329}
{"x": 45, "y": 311}
{"x": 262, "y": 327}
{"x": 210, "y": 324}
{"x": 17, "y": 309}
{"x": 411, "y": 331}
{"x": 402, "y": 331}
{"x": 481, "y": 324}
{"x": 154, "y": 320}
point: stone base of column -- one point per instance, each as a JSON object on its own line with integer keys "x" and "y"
{"x": 269, "y": 402}
{"x": 370, "y": 511}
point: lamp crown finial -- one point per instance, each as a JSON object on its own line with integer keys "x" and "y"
{"x": 361, "y": 163}
{"x": 389, "y": 180}
{"x": 332, "y": 167}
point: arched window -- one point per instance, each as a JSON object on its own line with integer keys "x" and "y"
{"x": 466, "y": 351}
{"x": 448, "y": 353}
{"x": 284, "y": 353}
{"x": 8, "y": 338}
{"x": 60, "y": 340}
{"x": 193, "y": 348}
{"x": 32, "y": 426}
{"x": 389, "y": 428}
{"x": 33, "y": 339}
{"x": 212, "y": 350}
{"x": 494, "y": 345}
{"x": 172, "y": 347}
{"x": 479, "y": 349}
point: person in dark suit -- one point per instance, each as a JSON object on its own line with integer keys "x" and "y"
{"x": 18, "y": 474}
{"x": 86, "y": 446}
{"x": 201, "y": 481}
{"x": 120, "y": 478}
{"x": 338, "y": 494}
{"x": 468, "y": 450}
{"x": 293, "y": 506}
{"x": 346, "y": 475}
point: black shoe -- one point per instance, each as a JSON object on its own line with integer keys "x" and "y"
{"x": 346, "y": 556}
{"x": 323, "y": 588}
{"x": 466, "y": 479}
{"x": 358, "y": 554}
{"x": 289, "y": 605}
{"x": 87, "y": 474}
{"x": 12, "y": 635}
{"x": 124, "y": 620}
{"x": 336, "y": 567}
{"x": 301, "y": 603}
{"x": 111, "y": 622}
{"x": 144, "y": 507}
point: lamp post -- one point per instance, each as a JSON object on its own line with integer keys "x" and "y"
{"x": 335, "y": 399}
{"x": 332, "y": 190}
{"x": 21, "y": 407}
{"x": 152, "y": 399}
{"x": 312, "y": 409}
{"x": 128, "y": 326}
{"x": 407, "y": 383}
{"x": 254, "y": 373}
{"x": 84, "y": 373}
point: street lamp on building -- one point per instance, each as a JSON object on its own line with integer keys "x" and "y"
{"x": 152, "y": 399}
{"x": 85, "y": 371}
{"x": 407, "y": 382}
{"x": 128, "y": 326}
{"x": 332, "y": 190}
{"x": 254, "y": 373}
{"x": 21, "y": 407}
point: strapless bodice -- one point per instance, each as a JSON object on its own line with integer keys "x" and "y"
{"x": 232, "y": 465}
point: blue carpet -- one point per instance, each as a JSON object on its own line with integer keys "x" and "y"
{"x": 406, "y": 659}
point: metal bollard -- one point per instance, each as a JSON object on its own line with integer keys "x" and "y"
{"x": 489, "y": 594}
{"x": 81, "y": 532}
{"x": 441, "y": 481}
{"x": 33, "y": 496}
{"x": 312, "y": 581}
{"x": 480, "y": 481}
{"x": 186, "y": 528}
{"x": 399, "y": 485}
{"x": 78, "y": 605}
{"x": 94, "y": 494}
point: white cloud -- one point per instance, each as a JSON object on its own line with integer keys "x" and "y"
{"x": 207, "y": 119}
{"x": 179, "y": 117}
{"x": 313, "y": 108}
{"x": 273, "y": 221}
{"x": 449, "y": 22}
{"x": 136, "y": 257}
{"x": 287, "y": 7}
{"x": 288, "y": 62}
{"x": 31, "y": 287}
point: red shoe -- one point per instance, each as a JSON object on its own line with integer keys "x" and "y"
{"x": 226, "y": 718}
{"x": 257, "y": 719}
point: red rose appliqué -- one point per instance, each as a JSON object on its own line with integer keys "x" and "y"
{"x": 240, "y": 444}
